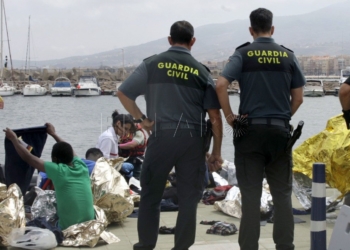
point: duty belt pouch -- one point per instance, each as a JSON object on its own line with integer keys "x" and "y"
{"x": 240, "y": 126}
{"x": 295, "y": 136}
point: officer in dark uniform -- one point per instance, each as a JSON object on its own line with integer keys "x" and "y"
{"x": 178, "y": 92}
{"x": 344, "y": 97}
{"x": 271, "y": 85}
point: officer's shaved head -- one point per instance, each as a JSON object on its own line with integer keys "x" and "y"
{"x": 261, "y": 20}
{"x": 181, "y": 32}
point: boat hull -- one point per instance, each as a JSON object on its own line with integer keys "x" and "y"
{"x": 313, "y": 93}
{"x": 87, "y": 92}
{"x": 61, "y": 92}
{"x": 7, "y": 92}
{"x": 34, "y": 91}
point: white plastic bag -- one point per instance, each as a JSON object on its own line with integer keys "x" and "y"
{"x": 219, "y": 181}
{"x": 228, "y": 172}
{"x": 32, "y": 238}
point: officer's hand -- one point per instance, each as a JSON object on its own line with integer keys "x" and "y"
{"x": 230, "y": 119}
{"x": 147, "y": 125}
{"x": 214, "y": 162}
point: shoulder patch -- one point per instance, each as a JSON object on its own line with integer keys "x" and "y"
{"x": 243, "y": 45}
{"x": 149, "y": 57}
{"x": 206, "y": 67}
{"x": 287, "y": 48}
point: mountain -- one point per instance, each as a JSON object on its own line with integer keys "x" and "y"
{"x": 322, "y": 32}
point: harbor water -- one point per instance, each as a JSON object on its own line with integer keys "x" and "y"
{"x": 80, "y": 121}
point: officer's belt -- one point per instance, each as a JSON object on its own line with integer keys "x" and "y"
{"x": 269, "y": 121}
{"x": 172, "y": 125}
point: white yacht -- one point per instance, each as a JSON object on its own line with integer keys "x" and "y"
{"x": 6, "y": 89}
{"x": 34, "y": 90}
{"x": 62, "y": 87}
{"x": 314, "y": 88}
{"x": 87, "y": 86}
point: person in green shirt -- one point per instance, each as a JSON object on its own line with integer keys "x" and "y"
{"x": 69, "y": 175}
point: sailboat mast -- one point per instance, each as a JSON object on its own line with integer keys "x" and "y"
{"x": 2, "y": 40}
{"x": 123, "y": 77}
{"x": 28, "y": 51}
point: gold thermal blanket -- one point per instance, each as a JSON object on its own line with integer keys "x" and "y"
{"x": 332, "y": 147}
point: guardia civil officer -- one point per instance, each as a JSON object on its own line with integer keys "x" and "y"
{"x": 271, "y": 85}
{"x": 344, "y": 97}
{"x": 178, "y": 92}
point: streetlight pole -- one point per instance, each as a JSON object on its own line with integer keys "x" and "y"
{"x": 123, "y": 63}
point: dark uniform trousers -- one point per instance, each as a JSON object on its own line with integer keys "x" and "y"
{"x": 259, "y": 153}
{"x": 168, "y": 148}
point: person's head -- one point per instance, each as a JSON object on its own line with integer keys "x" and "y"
{"x": 122, "y": 123}
{"x": 182, "y": 34}
{"x": 261, "y": 23}
{"x": 133, "y": 125}
{"x": 62, "y": 152}
{"x": 93, "y": 154}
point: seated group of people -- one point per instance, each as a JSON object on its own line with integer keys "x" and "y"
{"x": 124, "y": 139}
{"x": 70, "y": 174}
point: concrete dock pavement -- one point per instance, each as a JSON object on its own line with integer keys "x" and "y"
{"x": 127, "y": 231}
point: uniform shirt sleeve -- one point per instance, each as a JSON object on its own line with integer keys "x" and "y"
{"x": 298, "y": 78}
{"x": 135, "y": 84}
{"x": 233, "y": 68}
{"x": 211, "y": 100}
{"x": 347, "y": 81}
{"x": 105, "y": 146}
{"x": 138, "y": 137}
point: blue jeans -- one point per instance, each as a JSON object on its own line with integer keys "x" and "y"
{"x": 127, "y": 169}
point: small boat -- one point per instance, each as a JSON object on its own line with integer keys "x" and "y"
{"x": 87, "y": 86}
{"x": 314, "y": 88}
{"x": 62, "y": 87}
{"x": 6, "y": 89}
{"x": 34, "y": 90}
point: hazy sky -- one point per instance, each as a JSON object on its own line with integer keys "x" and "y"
{"x": 64, "y": 28}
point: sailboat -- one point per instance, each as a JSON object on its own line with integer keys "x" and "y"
{"x": 5, "y": 88}
{"x": 32, "y": 89}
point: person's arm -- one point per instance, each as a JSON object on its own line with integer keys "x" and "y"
{"x": 26, "y": 156}
{"x": 344, "y": 96}
{"x": 296, "y": 99}
{"x": 231, "y": 72}
{"x": 138, "y": 139}
{"x": 215, "y": 160}
{"x": 221, "y": 90}
{"x": 50, "y": 129}
{"x": 131, "y": 106}
{"x": 106, "y": 146}
{"x": 128, "y": 145}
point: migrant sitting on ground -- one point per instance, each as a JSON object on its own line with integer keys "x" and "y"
{"x": 108, "y": 140}
{"x": 133, "y": 147}
{"x": 69, "y": 175}
{"x": 91, "y": 157}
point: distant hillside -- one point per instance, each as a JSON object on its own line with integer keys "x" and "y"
{"x": 322, "y": 32}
